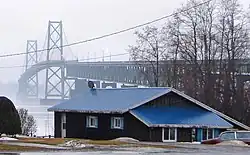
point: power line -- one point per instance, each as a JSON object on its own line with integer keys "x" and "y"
{"x": 20, "y": 66}
{"x": 111, "y": 34}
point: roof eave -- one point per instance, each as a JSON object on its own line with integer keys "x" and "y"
{"x": 190, "y": 126}
{"x": 143, "y": 121}
{"x": 89, "y": 111}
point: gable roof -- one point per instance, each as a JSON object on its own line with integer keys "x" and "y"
{"x": 120, "y": 100}
{"x": 117, "y": 100}
{"x": 211, "y": 109}
{"x": 174, "y": 116}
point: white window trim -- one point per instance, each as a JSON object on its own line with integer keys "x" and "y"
{"x": 175, "y": 137}
{"x": 207, "y": 134}
{"x": 113, "y": 124}
{"x": 88, "y": 121}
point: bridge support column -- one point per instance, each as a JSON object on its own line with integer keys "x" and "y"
{"x": 31, "y": 85}
{"x": 55, "y": 76}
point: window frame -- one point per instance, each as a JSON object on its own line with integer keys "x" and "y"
{"x": 88, "y": 121}
{"x": 169, "y": 136}
{"x": 114, "y": 125}
{"x": 207, "y": 133}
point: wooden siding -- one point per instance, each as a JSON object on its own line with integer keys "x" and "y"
{"x": 171, "y": 99}
{"x": 57, "y": 125}
{"x": 155, "y": 134}
{"x": 184, "y": 135}
{"x": 76, "y": 127}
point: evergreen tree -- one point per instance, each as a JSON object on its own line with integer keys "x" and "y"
{"x": 9, "y": 119}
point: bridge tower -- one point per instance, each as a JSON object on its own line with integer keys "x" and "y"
{"x": 55, "y": 76}
{"x": 31, "y": 59}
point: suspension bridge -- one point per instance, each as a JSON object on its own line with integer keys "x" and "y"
{"x": 64, "y": 77}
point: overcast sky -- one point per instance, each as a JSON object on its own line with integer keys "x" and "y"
{"x": 21, "y": 20}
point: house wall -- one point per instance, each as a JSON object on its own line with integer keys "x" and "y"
{"x": 170, "y": 99}
{"x": 57, "y": 125}
{"x": 155, "y": 134}
{"x": 184, "y": 135}
{"x": 76, "y": 127}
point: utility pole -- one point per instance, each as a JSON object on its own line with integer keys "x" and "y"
{"x": 110, "y": 56}
{"x": 88, "y": 57}
{"x": 157, "y": 64}
{"x": 102, "y": 55}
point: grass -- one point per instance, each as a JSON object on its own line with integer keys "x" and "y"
{"x": 120, "y": 143}
{"x": 57, "y": 141}
{"x": 105, "y": 142}
{"x": 48, "y": 141}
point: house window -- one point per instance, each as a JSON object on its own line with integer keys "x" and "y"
{"x": 169, "y": 134}
{"x": 92, "y": 122}
{"x": 207, "y": 134}
{"x": 117, "y": 123}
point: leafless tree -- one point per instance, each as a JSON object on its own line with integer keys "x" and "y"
{"x": 148, "y": 52}
{"x": 202, "y": 50}
{"x": 28, "y": 123}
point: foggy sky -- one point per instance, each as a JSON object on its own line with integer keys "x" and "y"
{"x": 21, "y": 20}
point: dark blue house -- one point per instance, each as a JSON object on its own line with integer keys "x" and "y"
{"x": 146, "y": 114}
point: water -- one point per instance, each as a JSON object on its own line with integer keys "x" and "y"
{"x": 44, "y": 119}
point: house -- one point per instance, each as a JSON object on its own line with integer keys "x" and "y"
{"x": 146, "y": 114}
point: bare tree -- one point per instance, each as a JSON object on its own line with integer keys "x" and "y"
{"x": 147, "y": 53}
{"x": 233, "y": 42}
{"x": 28, "y": 123}
{"x": 31, "y": 126}
{"x": 23, "y": 114}
{"x": 201, "y": 50}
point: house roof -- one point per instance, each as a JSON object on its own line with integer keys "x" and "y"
{"x": 120, "y": 100}
{"x": 109, "y": 100}
{"x": 179, "y": 117}
{"x": 211, "y": 109}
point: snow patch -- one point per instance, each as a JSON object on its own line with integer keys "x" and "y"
{"x": 74, "y": 144}
{"x": 126, "y": 139}
{"x": 233, "y": 142}
{"x": 7, "y": 139}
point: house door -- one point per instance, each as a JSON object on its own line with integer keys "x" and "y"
{"x": 169, "y": 134}
{"x": 63, "y": 125}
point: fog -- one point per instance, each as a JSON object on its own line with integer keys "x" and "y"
{"x": 82, "y": 19}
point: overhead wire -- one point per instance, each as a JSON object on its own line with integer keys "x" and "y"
{"x": 111, "y": 34}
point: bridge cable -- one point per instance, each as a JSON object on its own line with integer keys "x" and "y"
{"x": 114, "y": 33}
{"x": 70, "y": 50}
